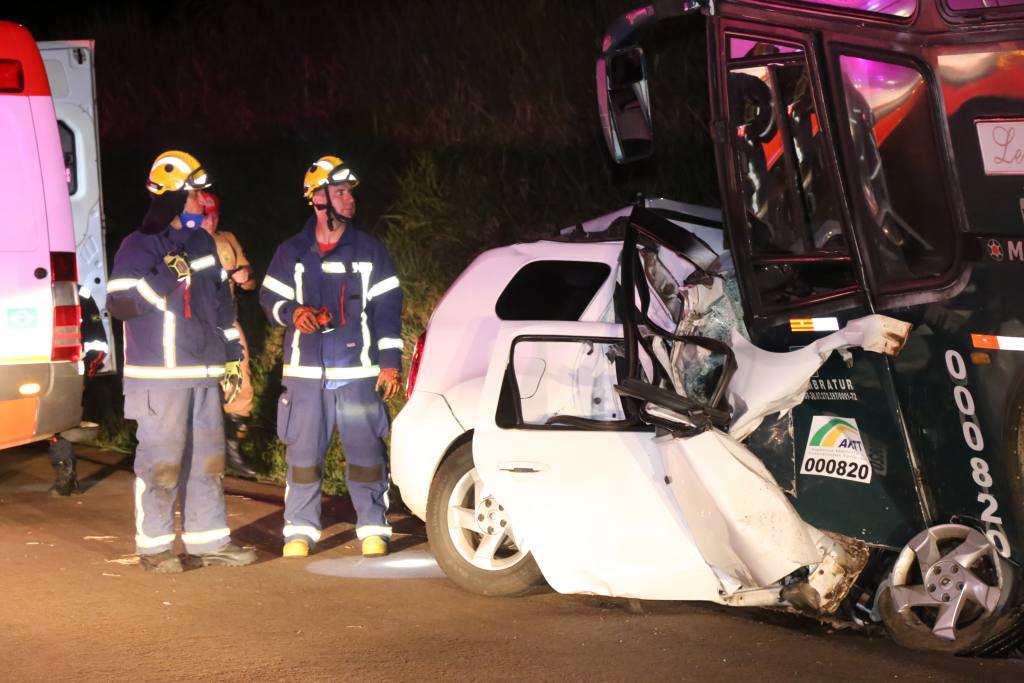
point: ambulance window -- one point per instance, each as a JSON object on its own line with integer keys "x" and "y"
{"x": 798, "y": 247}
{"x": 911, "y": 235}
{"x": 67, "y": 145}
{"x": 551, "y": 290}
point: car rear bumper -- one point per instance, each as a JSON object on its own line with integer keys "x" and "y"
{"x": 420, "y": 436}
{"x": 56, "y": 406}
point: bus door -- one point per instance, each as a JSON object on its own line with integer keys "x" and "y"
{"x": 841, "y": 454}
{"x": 935, "y": 159}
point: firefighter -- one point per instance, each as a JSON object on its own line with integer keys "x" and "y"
{"x": 180, "y": 350}
{"x": 239, "y": 270}
{"x": 335, "y": 290}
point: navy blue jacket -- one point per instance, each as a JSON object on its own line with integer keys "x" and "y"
{"x": 356, "y": 281}
{"x": 176, "y": 334}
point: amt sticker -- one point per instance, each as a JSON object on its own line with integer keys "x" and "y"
{"x": 835, "y": 449}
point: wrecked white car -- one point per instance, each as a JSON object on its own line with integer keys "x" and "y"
{"x": 589, "y": 411}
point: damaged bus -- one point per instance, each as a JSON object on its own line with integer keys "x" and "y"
{"x": 820, "y": 409}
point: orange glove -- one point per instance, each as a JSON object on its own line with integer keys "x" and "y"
{"x": 304, "y": 319}
{"x": 388, "y": 380}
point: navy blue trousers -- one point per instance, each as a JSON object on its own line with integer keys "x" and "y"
{"x": 180, "y": 456}
{"x": 307, "y": 414}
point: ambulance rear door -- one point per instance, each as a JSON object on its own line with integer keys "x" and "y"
{"x": 69, "y": 67}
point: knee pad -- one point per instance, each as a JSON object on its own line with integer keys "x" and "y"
{"x": 166, "y": 475}
{"x": 366, "y": 475}
{"x": 306, "y": 475}
{"x": 214, "y": 466}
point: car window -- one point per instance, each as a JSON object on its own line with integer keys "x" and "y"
{"x": 900, "y": 181}
{"x": 551, "y": 290}
{"x": 566, "y": 376}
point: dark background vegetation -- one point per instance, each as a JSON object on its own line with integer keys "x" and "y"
{"x": 472, "y": 123}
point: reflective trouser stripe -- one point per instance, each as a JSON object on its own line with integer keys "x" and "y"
{"x": 141, "y": 539}
{"x": 370, "y": 530}
{"x": 200, "y": 537}
{"x": 389, "y": 343}
{"x": 312, "y": 533}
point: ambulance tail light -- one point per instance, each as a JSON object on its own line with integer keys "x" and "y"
{"x": 12, "y": 79}
{"x": 67, "y": 314}
{"x": 414, "y": 365}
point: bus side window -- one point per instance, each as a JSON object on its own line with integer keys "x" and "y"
{"x": 799, "y": 250}
{"x": 893, "y": 135}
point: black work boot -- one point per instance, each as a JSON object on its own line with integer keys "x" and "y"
{"x": 229, "y": 556}
{"x": 236, "y": 430}
{"x": 62, "y": 457}
{"x": 161, "y": 563}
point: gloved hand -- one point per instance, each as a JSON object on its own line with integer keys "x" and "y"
{"x": 304, "y": 318}
{"x": 232, "y": 382}
{"x": 387, "y": 383}
{"x": 178, "y": 263}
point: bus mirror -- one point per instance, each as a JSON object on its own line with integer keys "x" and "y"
{"x": 624, "y": 103}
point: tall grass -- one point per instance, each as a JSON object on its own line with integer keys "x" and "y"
{"x": 471, "y": 123}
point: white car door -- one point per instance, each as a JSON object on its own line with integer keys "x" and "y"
{"x": 69, "y": 68}
{"x": 593, "y": 505}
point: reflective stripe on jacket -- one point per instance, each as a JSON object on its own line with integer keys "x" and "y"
{"x": 356, "y": 281}
{"x": 178, "y": 333}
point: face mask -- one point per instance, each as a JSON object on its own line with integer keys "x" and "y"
{"x": 191, "y": 221}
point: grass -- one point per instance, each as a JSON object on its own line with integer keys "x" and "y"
{"x": 472, "y": 124}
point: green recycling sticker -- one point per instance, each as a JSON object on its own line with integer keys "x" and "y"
{"x": 21, "y": 318}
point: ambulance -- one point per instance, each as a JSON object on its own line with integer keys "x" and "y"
{"x": 51, "y": 235}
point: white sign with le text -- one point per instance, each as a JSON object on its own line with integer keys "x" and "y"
{"x": 1002, "y": 146}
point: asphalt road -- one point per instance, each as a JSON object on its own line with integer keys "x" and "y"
{"x": 76, "y": 606}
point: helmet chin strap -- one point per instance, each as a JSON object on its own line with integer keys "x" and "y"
{"x": 335, "y": 220}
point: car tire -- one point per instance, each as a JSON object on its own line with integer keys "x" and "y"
{"x": 461, "y": 551}
{"x": 913, "y": 629}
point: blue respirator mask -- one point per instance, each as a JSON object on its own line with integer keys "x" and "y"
{"x": 191, "y": 221}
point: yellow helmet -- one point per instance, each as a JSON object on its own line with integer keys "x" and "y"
{"x": 174, "y": 170}
{"x": 328, "y": 170}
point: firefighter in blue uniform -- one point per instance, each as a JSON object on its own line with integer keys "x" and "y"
{"x": 180, "y": 352}
{"x": 334, "y": 288}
